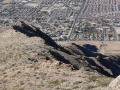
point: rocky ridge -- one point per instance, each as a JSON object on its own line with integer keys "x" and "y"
{"x": 75, "y": 55}
{"x": 27, "y": 51}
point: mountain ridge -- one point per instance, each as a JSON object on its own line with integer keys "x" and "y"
{"x": 32, "y": 58}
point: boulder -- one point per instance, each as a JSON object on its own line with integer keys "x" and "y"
{"x": 115, "y": 84}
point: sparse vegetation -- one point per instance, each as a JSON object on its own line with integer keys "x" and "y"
{"x": 68, "y": 89}
{"x": 93, "y": 78}
{"x": 90, "y": 87}
{"x": 75, "y": 87}
{"x": 100, "y": 80}
{"x": 77, "y": 82}
{"x": 53, "y": 83}
{"x": 56, "y": 82}
{"x": 18, "y": 87}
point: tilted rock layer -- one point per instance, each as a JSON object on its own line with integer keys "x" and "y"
{"x": 28, "y": 54}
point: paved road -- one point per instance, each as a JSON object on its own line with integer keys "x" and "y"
{"x": 77, "y": 16}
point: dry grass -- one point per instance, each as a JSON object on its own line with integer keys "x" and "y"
{"x": 102, "y": 81}
{"x": 23, "y": 74}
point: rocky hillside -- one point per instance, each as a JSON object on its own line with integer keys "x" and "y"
{"x": 74, "y": 54}
{"x": 31, "y": 60}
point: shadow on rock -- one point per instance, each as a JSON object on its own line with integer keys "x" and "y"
{"x": 92, "y": 48}
{"x": 32, "y": 31}
{"x": 87, "y": 52}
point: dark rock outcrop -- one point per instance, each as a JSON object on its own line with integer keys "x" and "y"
{"x": 32, "y": 31}
{"x": 76, "y": 55}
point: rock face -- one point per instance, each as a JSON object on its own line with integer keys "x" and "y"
{"x": 115, "y": 84}
{"x": 32, "y": 31}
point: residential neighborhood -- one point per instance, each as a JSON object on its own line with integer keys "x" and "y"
{"x": 66, "y": 19}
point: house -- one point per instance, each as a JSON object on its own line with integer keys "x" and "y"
{"x": 109, "y": 33}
